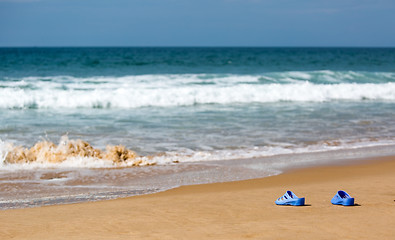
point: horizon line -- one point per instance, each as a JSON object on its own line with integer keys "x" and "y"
{"x": 188, "y": 46}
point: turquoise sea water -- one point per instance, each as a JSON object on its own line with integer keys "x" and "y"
{"x": 195, "y": 105}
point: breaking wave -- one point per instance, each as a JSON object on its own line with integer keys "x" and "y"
{"x": 80, "y": 154}
{"x": 69, "y": 153}
{"x": 190, "y": 89}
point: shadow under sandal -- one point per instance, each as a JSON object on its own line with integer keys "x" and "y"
{"x": 289, "y": 198}
{"x": 342, "y": 198}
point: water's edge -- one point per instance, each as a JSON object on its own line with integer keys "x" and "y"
{"x": 162, "y": 178}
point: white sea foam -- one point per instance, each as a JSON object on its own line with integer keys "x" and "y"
{"x": 190, "y": 89}
{"x": 267, "y": 151}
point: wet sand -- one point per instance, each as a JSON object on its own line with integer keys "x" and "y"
{"x": 233, "y": 210}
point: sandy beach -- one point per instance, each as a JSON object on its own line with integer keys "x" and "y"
{"x": 233, "y": 210}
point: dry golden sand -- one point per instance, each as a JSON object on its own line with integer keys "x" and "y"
{"x": 236, "y": 210}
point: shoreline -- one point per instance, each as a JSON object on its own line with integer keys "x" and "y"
{"x": 140, "y": 181}
{"x": 230, "y": 210}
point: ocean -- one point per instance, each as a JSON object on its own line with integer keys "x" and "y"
{"x": 85, "y": 124}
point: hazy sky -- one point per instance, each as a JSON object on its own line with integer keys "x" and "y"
{"x": 197, "y": 23}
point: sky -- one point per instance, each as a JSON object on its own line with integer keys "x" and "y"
{"x": 268, "y": 23}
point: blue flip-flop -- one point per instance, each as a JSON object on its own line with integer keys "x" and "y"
{"x": 342, "y": 198}
{"x": 289, "y": 198}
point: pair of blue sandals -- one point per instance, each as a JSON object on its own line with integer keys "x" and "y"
{"x": 289, "y": 198}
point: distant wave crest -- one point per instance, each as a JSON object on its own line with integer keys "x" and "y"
{"x": 190, "y": 89}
